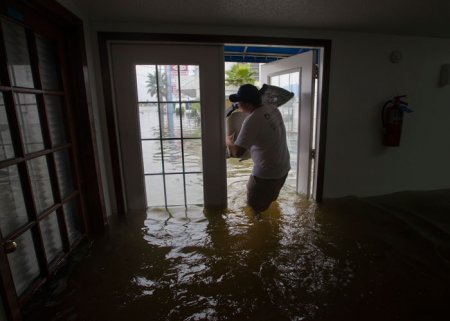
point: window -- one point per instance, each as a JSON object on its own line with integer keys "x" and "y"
{"x": 170, "y": 128}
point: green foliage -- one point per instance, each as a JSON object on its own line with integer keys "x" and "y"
{"x": 177, "y": 110}
{"x": 152, "y": 84}
{"x": 239, "y": 74}
{"x": 195, "y": 110}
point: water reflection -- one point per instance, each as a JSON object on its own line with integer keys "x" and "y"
{"x": 232, "y": 263}
{"x": 349, "y": 259}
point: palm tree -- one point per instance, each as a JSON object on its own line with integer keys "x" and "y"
{"x": 152, "y": 84}
{"x": 160, "y": 84}
{"x": 239, "y": 74}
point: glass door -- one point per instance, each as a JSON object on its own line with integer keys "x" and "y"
{"x": 290, "y": 80}
{"x": 297, "y": 71}
{"x": 40, "y": 217}
{"x": 170, "y": 126}
{"x": 169, "y": 111}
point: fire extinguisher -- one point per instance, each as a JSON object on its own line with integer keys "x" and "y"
{"x": 392, "y": 118}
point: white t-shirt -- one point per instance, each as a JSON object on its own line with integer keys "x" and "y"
{"x": 264, "y": 134}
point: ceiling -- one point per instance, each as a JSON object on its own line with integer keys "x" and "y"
{"x": 402, "y": 17}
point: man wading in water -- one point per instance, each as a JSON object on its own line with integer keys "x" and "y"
{"x": 264, "y": 134}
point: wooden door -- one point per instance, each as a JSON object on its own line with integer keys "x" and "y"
{"x": 40, "y": 201}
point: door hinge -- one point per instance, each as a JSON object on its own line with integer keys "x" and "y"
{"x": 316, "y": 72}
{"x": 312, "y": 154}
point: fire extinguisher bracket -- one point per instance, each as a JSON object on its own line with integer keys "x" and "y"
{"x": 405, "y": 108}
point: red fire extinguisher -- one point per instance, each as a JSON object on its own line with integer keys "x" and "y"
{"x": 392, "y": 117}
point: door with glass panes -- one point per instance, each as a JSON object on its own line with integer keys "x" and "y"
{"x": 169, "y": 107}
{"x": 40, "y": 212}
{"x": 295, "y": 74}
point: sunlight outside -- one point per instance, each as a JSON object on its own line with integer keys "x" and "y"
{"x": 170, "y": 127}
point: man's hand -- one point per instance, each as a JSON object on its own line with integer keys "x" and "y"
{"x": 229, "y": 140}
{"x": 234, "y": 150}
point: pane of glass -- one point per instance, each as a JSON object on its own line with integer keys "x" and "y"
{"x": 192, "y": 155}
{"x": 6, "y": 147}
{"x": 151, "y": 156}
{"x": 40, "y": 181}
{"x": 146, "y": 83}
{"x": 191, "y": 120}
{"x": 174, "y": 190}
{"x": 23, "y": 263}
{"x": 13, "y": 212}
{"x": 178, "y": 115}
{"x": 194, "y": 189}
{"x": 164, "y": 83}
{"x": 29, "y": 121}
{"x": 284, "y": 81}
{"x": 167, "y": 82}
{"x": 148, "y": 120}
{"x": 74, "y": 223}
{"x": 170, "y": 120}
{"x": 290, "y": 114}
{"x": 56, "y": 121}
{"x": 64, "y": 173}
{"x": 19, "y": 66}
{"x": 275, "y": 80}
{"x": 51, "y": 237}
{"x": 190, "y": 82}
{"x": 294, "y": 79}
{"x": 172, "y": 156}
{"x": 48, "y": 62}
{"x": 154, "y": 189}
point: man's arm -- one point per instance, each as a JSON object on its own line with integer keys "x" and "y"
{"x": 234, "y": 150}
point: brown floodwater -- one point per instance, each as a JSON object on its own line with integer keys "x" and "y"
{"x": 379, "y": 258}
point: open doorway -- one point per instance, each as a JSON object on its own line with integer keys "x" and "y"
{"x": 296, "y": 70}
{"x": 129, "y": 194}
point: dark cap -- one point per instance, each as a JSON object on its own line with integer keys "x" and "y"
{"x": 247, "y": 94}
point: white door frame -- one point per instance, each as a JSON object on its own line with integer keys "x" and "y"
{"x": 124, "y": 58}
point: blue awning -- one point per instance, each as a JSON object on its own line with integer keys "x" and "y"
{"x": 259, "y": 54}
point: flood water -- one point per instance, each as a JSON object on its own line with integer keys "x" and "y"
{"x": 380, "y": 258}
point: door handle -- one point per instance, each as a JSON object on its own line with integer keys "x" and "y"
{"x": 9, "y": 246}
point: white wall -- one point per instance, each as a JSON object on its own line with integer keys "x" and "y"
{"x": 362, "y": 79}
